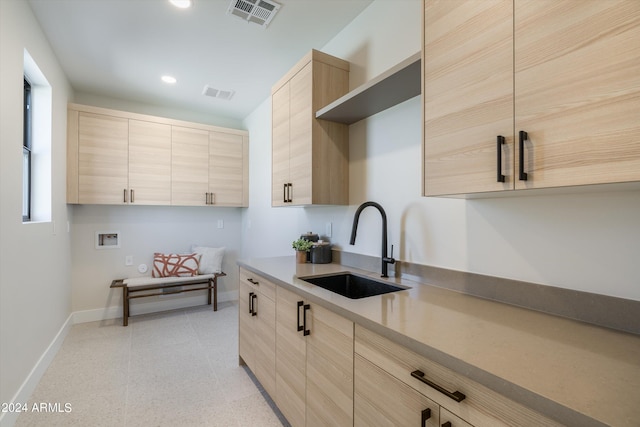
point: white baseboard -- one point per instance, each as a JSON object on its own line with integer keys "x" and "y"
{"x": 8, "y": 419}
{"x": 145, "y": 307}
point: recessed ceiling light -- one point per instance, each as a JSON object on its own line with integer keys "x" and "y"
{"x": 182, "y": 4}
{"x": 169, "y": 79}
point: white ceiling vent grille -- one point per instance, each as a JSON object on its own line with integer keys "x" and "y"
{"x": 260, "y": 12}
{"x": 218, "y": 93}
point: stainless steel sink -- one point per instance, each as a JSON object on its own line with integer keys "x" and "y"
{"x": 351, "y": 285}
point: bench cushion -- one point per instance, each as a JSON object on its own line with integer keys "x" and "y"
{"x": 146, "y": 280}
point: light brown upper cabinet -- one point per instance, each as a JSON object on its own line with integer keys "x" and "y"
{"x": 209, "y": 168}
{"x": 102, "y": 152}
{"x": 310, "y": 157}
{"x": 116, "y": 157}
{"x": 149, "y": 163}
{"x": 228, "y": 169}
{"x": 189, "y": 166}
{"x": 554, "y": 104}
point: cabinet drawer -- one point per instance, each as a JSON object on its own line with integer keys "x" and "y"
{"x": 258, "y": 283}
{"x": 480, "y": 406}
{"x": 382, "y": 400}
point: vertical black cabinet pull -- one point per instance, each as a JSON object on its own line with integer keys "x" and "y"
{"x": 251, "y": 302}
{"x": 254, "y": 297}
{"x": 500, "y": 143}
{"x": 284, "y": 192}
{"x": 290, "y": 192}
{"x": 304, "y": 319}
{"x": 426, "y": 414}
{"x": 132, "y": 194}
{"x": 522, "y": 138}
{"x": 455, "y": 395}
{"x": 300, "y": 327}
{"x": 447, "y": 424}
{"x": 124, "y": 197}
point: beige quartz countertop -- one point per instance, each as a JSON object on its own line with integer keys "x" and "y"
{"x": 575, "y": 372}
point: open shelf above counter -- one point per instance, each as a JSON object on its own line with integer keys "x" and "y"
{"x": 396, "y": 85}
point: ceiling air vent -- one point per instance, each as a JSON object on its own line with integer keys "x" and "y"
{"x": 217, "y": 93}
{"x": 260, "y": 12}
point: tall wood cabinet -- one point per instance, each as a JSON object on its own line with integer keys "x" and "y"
{"x": 309, "y": 156}
{"x": 525, "y": 94}
{"x": 115, "y": 157}
{"x": 314, "y": 363}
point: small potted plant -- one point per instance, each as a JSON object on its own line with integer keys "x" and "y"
{"x": 302, "y": 246}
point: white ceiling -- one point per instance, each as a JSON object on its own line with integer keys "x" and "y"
{"x": 121, "y": 48}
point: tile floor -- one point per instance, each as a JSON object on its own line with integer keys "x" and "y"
{"x": 177, "y": 368}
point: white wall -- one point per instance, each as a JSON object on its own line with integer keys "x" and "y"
{"x": 588, "y": 242}
{"x": 143, "y": 231}
{"x": 35, "y": 292}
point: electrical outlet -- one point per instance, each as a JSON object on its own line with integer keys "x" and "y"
{"x": 220, "y": 223}
{"x": 128, "y": 260}
{"x": 328, "y": 229}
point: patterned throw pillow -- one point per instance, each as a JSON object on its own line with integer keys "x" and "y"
{"x": 175, "y": 265}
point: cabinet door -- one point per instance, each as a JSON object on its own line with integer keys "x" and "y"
{"x": 245, "y": 328}
{"x": 264, "y": 342}
{"x": 300, "y": 149}
{"x": 577, "y": 80}
{"x": 290, "y": 358}
{"x": 382, "y": 400}
{"x": 329, "y": 368}
{"x": 149, "y": 163}
{"x": 189, "y": 166}
{"x": 102, "y": 159}
{"x": 226, "y": 169}
{"x": 468, "y": 96}
{"x": 280, "y": 145}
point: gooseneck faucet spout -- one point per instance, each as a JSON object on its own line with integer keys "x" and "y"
{"x": 385, "y": 259}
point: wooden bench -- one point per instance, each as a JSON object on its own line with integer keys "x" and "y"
{"x": 145, "y": 285}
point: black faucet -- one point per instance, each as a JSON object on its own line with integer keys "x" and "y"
{"x": 385, "y": 259}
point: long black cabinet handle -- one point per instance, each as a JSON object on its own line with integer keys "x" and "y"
{"x": 289, "y": 192}
{"x": 284, "y": 192}
{"x": 251, "y": 294}
{"x": 300, "y": 327}
{"x": 254, "y": 297}
{"x": 304, "y": 319}
{"x": 523, "y": 136}
{"x": 455, "y": 395}
{"x": 251, "y": 280}
{"x": 500, "y": 142}
{"x": 426, "y": 414}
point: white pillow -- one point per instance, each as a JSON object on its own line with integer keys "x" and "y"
{"x": 210, "y": 259}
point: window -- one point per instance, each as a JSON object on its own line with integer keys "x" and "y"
{"x": 26, "y": 154}
{"x": 36, "y": 145}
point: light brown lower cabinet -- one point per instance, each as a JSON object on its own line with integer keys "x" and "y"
{"x": 380, "y": 399}
{"x": 257, "y": 318}
{"x": 322, "y": 370}
{"x": 459, "y": 401}
{"x": 314, "y": 363}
